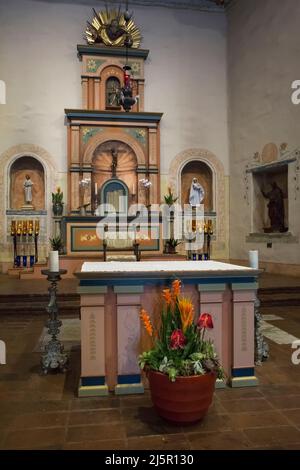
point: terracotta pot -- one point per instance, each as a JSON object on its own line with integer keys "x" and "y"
{"x": 184, "y": 401}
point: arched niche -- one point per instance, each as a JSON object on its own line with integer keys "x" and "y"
{"x": 126, "y": 165}
{"x": 200, "y": 170}
{"x": 22, "y": 166}
{"x": 115, "y": 192}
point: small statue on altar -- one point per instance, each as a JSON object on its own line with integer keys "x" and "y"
{"x": 197, "y": 193}
{"x": 27, "y": 185}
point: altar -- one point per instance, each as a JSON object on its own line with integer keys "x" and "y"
{"x": 111, "y": 337}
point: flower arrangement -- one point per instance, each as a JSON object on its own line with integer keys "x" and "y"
{"x": 179, "y": 347}
{"x": 57, "y": 197}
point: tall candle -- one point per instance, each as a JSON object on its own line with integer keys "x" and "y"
{"x": 253, "y": 259}
{"x": 95, "y": 188}
{"x": 53, "y": 261}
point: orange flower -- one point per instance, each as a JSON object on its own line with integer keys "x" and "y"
{"x": 147, "y": 322}
{"x": 167, "y": 296}
{"x": 186, "y": 310}
{"x": 176, "y": 286}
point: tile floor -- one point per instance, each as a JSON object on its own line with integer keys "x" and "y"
{"x": 43, "y": 412}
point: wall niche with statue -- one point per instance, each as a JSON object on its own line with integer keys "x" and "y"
{"x": 27, "y": 184}
{"x": 200, "y": 171}
{"x": 270, "y": 194}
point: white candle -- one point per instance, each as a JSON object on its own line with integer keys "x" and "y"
{"x": 95, "y": 188}
{"x": 53, "y": 261}
{"x": 253, "y": 259}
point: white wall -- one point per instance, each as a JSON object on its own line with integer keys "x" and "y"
{"x": 264, "y": 47}
{"x": 185, "y": 75}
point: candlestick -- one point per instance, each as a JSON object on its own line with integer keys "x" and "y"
{"x": 53, "y": 262}
{"x": 53, "y": 356}
{"x": 253, "y": 259}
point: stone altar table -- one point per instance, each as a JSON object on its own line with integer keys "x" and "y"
{"x": 112, "y": 294}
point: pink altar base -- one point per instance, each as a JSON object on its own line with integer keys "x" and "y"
{"x": 113, "y": 293}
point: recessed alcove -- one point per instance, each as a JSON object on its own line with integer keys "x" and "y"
{"x": 125, "y": 169}
{"x": 263, "y": 179}
{"x": 26, "y": 165}
{"x": 201, "y": 171}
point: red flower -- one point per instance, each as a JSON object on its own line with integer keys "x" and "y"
{"x": 205, "y": 321}
{"x": 177, "y": 340}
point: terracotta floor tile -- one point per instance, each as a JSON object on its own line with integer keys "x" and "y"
{"x": 159, "y": 442}
{"x": 113, "y": 444}
{"x": 293, "y": 416}
{"x": 219, "y": 441}
{"x": 273, "y": 435}
{"x": 39, "y": 420}
{"x": 94, "y": 417}
{"x": 285, "y": 402}
{"x": 211, "y": 422}
{"x": 230, "y": 394}
{"x": 238, "y": 406}
{"x": 35, "y": 439}
{"x": 257, "y": 419}
{"x": 95, "y": 432}
{"x": 95, "y": 403}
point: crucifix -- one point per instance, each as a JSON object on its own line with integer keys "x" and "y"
{"x": 114, "y": 154}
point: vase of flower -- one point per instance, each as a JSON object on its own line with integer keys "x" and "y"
{"x": 181, "y": 366}
{"x": 57, "y": 204}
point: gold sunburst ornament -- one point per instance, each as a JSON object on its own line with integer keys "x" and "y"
{"x": 111, "y": 28}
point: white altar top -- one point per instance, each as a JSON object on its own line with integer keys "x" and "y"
{"x": 172, "y": 267}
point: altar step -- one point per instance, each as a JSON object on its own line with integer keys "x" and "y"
{"x": 35, "y": 304}
{"x": 279, "y": 296}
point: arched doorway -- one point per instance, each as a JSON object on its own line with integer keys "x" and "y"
{"x": 200, "y": 170}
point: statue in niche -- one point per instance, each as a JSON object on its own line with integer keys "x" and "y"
{"x": 197, "y": 193}
{"x": 275, "y": 208}
{"x": 28, "y": 191}
{"x": 114, "y": 155}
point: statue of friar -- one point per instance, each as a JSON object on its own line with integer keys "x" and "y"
{"x": 28, "y": 190}
{"x": 197, "y": 193}
{"x": 275, "y": 208}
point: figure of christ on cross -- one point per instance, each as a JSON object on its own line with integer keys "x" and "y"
{"x": 114, "y": 154}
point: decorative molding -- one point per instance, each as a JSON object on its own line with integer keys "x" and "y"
{"x": 84, "y": 49}
{"x": 119, "y": 116}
